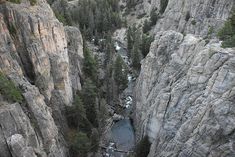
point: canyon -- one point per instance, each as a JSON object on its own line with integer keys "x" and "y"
{"x": 183, "y": 95}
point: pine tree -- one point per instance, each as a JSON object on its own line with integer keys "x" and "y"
{"x": 76, "y": 114}
{"x": 103, "y": 114}
{"x": 227, "y": 33}
{"x": 97, "y": 15}
{"x": 80, "y": 144}
{"x": 91, "y": 24}
{"x": 89, "y": 99}
{"x": 89, "y": 65}
{"x": 130, "y": 39}
{"x": 136, "y": 57}
{"x": 94, "y": 140}
{"x": 120, "y": 73}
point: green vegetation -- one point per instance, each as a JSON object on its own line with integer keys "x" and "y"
{"x": 64, "y": 15}
{"x": 80, "y": 143}
{"x": 15, "y": 1}
{"x": 138, "y": 45}
{"x": 82, "y": 118}
{"x": 76, "y": 114}
{"x": 120, "y": 73}
{"x": 210, "y": 31}
{"x": 89, "y": 65}
{"x": 163, "y": 5}
{"x": 193, "y": 22}
{"x": 146, "y": 43}
{"x": 227, "y": 33}
{"x": 94, "y": 140}
{"x": 12, "y": 30}
{"x": 89, "y": 100}
{"x": 143, "y": 148}
{"x": 103, "y": 114}
{"x": 97, "y": 17}
{"x": 209, "y": 34}
{"x": 149, "y": 23}
{"x": 33, "y": 2}
{"x": 147, "y": 26}
{"x": 134, "y": 46}
{"x": 130, "y": 4}
{"x": 136, "y": 56}
{"x": 8, "y": 90}
{"x": 153, "y": 17}
{"x": 61, "y": 17}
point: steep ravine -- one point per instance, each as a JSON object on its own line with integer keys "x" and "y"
{"x": 183, "y": 99}
{"x": 122, "y": 132}
{"x": 119, "y": 137}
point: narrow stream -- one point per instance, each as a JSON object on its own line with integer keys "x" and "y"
{"x": 122, "y": 132}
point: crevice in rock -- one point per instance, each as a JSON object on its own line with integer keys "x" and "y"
{"x": 5, "y": 140}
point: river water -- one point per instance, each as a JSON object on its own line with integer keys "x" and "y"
{"x": 122, "y": 132}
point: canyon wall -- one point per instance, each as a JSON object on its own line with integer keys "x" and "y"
{"x": 44, "y": 60}
{"x": 186, "y": 88}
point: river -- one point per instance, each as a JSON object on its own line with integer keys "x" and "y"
{"x": 122, "y": 132}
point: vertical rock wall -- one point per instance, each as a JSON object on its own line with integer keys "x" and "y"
{"x": 185, "y": 91}
{"x": 34, "y": 53}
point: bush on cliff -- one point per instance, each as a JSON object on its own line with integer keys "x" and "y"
{"x": 146, "y": 43}
{"x": 60, "y": 17}
{"x": 153, "y": 17}
{"x": 15, "y": 1}
{"x": 227, "y": 33}
{"x": 147, "y": 26}
{"x": 33, "y": 2}
{"x": 9, "y": 90}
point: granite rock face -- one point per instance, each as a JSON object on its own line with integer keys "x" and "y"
{"x": 75, "y": 52}
{"x": 18, "y": 137}
{"x": 41, "y": 57}
{"x": 186, "y": 88}
{"x": 185, "y": 97}
{"x": 200, "y": 17}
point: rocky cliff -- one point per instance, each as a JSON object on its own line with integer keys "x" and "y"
{"x": 186, "y": 88}
{"x": 44, "y": 60}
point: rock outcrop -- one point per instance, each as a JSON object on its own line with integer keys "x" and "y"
{"x": 43, "y": 58}
{"x": 200, "y": 17}
{"x": 186, "y": 88}
{"x": 75, "y": 51}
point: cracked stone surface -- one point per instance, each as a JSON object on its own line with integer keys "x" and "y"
{"x": 39, "y": 55}
{"x": 185, "y": 97}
